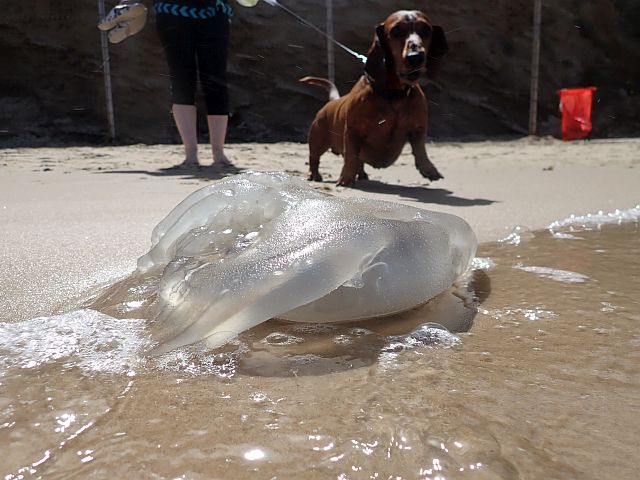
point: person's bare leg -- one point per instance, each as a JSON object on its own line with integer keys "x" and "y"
{"x": 185, "y": 118}
{"x": 217, "y": 133}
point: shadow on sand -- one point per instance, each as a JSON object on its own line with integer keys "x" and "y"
{"x": 202, "y": 172}
{"x": 421, "y": 194}
{"x": 438, "y": 196}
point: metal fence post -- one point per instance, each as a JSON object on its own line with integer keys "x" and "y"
{"x": 106, "y": 69}
{"x": 330, "y": 57}
{"x": 535, "y": 68}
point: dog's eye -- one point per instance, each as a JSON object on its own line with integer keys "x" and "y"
{"x": 396, "y": 32}
{"x": 423, "y": 30}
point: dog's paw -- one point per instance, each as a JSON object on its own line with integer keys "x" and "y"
{"x": 346, "y": 181}
{"x": 314, "y": 177}
{"x": 431, "y": 173}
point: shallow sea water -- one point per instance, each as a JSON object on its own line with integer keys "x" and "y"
{"x": 540, "y": 380}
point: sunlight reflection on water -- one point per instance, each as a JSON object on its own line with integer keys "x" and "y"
{"x": 548, "y": 374}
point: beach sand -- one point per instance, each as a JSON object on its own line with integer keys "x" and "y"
{"x": 543, "y": 385}
{"x": 76, "y": 217}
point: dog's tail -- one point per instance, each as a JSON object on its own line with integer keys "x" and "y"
{"x": 324, "y": 83}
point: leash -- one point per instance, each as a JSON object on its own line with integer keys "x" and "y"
{"x": 359, "y": 56}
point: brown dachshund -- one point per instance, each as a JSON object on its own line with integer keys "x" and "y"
{"x": 386, "y": 107}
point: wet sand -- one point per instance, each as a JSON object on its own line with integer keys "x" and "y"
{"x": 80, "y": 216}
{"x": 544, "y": 385}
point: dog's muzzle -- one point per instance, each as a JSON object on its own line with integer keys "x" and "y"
{"x": 415, "y": 63}
{"x": 415, "y": 59}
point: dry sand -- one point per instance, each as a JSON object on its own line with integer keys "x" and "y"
{"x": 75, "y": 217}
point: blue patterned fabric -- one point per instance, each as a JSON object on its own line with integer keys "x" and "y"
{"x": 179, "y": 9}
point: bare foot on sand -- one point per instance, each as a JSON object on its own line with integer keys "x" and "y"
{"x": 189, "y": 163}
{"x": 185, "y": 165}
{"x": 220, "y": 159}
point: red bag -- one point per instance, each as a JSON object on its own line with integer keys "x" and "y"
{"x": 575, "y": 106}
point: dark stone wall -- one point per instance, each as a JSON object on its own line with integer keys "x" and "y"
{"x": 52, "y": 90}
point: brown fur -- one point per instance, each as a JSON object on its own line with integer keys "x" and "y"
{"x": 386, "y": 107}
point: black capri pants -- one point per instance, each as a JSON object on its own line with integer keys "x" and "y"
{"x": 195, "y": 38}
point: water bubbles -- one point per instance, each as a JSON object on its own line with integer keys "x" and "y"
{"x": 198, "y": 360}
{"x": 426, "y": 335}
{"x": 518, "y": 235}
{"x": 64, "y": 421}
{"x": 531, "y": 314}
{"x": 394, "y": 347}
{"x": 608, "y": 307}
{"x": 343, "y": 339}
{"x": 92, "y": 341}
{"x": 480, "y": 263}
{"x": 282, "y": 339}
{"x": 431, "y": 334}
{"x": 258, "y": 397}
{"x": 592, "y": 221}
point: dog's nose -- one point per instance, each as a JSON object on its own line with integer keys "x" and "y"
{"x": 415, "y": 58}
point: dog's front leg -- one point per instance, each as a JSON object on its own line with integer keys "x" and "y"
{"x": 352, "y": 162}
{"x": 427, "y": 169}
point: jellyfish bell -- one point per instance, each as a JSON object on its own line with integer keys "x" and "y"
{"x": 261, "y": 245}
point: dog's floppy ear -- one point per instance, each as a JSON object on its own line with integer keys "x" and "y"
{"x": 438, "y": 46}
{"x": 437, "y": 49}
{"x": 376, "y": 57}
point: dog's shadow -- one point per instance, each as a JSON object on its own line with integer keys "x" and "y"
{"x": 422, "y": 194}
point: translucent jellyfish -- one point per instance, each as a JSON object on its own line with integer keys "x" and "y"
{"x": 257, "y": 246}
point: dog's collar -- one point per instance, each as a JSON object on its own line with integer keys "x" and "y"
{"x": 389, "y": 94}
